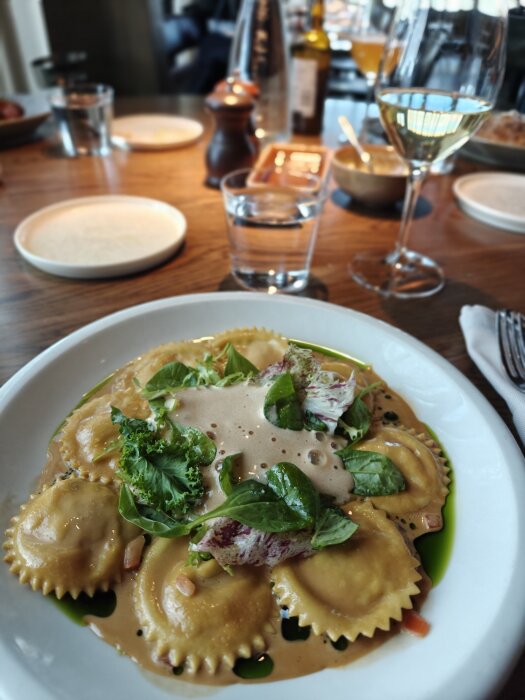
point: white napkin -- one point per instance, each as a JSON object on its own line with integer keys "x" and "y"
{"x": 481, "y": 338}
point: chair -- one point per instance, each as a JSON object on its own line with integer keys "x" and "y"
{"x": 133, "y": 45}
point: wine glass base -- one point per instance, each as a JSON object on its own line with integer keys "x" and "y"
{"x": 410, "y": 276}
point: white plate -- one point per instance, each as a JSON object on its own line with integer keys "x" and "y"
{"x": 494, "y": 198}
{"x": 104, "y": 236}
{"x": 491, "y": 152}
{"x": 477, "y": 611}
{"x": 154, "y": 132}
{"x": 504, "y": 155}
{"x": 486, "y": 148}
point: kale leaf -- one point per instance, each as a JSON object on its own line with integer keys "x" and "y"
{"x": 163, "y": 472}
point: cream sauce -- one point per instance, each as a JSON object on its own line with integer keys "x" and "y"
{"x": 233, "y": 417}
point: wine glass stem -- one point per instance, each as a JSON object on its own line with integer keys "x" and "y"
{"x": 415, "y": 181}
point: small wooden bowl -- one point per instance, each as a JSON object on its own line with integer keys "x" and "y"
{"x": 383, "y": 186}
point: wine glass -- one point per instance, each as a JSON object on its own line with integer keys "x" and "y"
{"x": 368, "y": 36}
{"x": 449, "y": 63}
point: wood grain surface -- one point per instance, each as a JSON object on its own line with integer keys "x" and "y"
{"x": 483, "y": 265}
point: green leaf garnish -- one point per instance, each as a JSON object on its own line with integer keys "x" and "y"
{"x": 333, "y": 527}
{"x": 226, "y": 480}
{"x": 164, "y": 474}
{"x": 281, "y": 405}
{"x": 355, "y": 421}
{"x": 175, "y": 375}
{"x": 238, "y": 364}
{"x": 288, "y": 502}
{"x": 312, "y": 422}
{"x": 153, "y": 521}
{"x": 254, "y": 504}
{"x": 296, "y": 490}
{"x": 374, "y": 473}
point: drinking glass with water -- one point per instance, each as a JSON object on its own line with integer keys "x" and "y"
{"x": 83, "y": 114}
{"x": 272, "y": 227}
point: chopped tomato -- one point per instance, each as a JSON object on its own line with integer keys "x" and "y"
{"x": 414, "y": 623}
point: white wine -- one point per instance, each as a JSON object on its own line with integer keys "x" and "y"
{"x": 428, "y": 125}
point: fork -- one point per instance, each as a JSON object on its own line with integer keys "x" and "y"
{"x": 511, "y": 338}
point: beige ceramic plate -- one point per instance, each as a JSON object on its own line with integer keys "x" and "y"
{"x": 154, "y": 132}
{"x": 497, "y": 199}
{"x": 105, "y": 236}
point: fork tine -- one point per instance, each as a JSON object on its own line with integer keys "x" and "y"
{"x": 504, "y": 345}
{"x": 519, "y": 322}
{"x": 504, "y": 341}
{"x": 515, "y": 335}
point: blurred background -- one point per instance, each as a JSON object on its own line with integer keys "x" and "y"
{"x": 143, "y": 47}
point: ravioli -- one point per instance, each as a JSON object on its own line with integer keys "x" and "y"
{"x": 227, "y": 616}
{"x": 424, "y": 469}
{"x": 354, "y": 588}
{"x": 69, "y": 538}
{"x": 88, "y": 436}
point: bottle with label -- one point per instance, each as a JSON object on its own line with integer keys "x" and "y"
{"x": 310, "y": 68}
{"x": 259, "y": 55}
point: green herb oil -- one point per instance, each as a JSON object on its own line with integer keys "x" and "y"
{"x": 100, "y": 605}
{"x": 250, "y": 669}
{"x": 291, "y": 631}
{"x": 435, "y": 548}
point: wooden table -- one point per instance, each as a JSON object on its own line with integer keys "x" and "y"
{"x": 483, "y": 265}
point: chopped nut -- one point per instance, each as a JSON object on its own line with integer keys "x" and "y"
{"x": 432, "y": 521}
{"x": 133, "y": 553}
{"x": 185, "y": 585}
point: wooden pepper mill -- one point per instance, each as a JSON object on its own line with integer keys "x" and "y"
{"x": 231, "y": 146}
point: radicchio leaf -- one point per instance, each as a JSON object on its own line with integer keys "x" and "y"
{"x": 233, "y": 544}
{"x": 325, "y": 396}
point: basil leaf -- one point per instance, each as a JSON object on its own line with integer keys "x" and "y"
{"x": 176, "y": 375}
{"x": 168, "y": 379}
{"x": 152, "y": 521}
{"x": 356, "y": 420}
{"x": 255, "y": 504}
{"x": 250, "y": 503}
{"x": 281, "y": 405}
{"x": 226, "y": 474}
{"x": 332, "y": 527}
{"x": 374, "y": 473}
{"x": 296, "y": 490}
{"x": 238, "y": 364}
